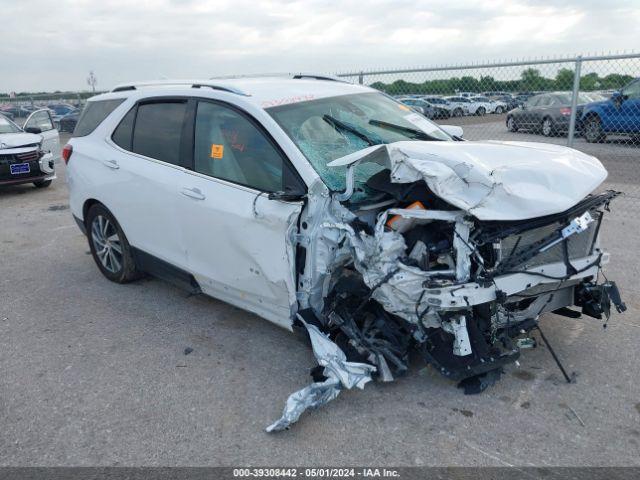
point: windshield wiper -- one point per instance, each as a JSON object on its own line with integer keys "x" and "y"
{"x": 338, "y": 125}
{"x": 417, "y": 134}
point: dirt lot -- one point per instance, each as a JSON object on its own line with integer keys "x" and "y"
{"x": 94, "y": 373}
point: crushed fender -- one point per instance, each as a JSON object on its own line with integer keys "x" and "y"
{"x": 339, "y": 374}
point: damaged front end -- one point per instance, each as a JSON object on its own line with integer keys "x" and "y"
{"x": 450, "y": 257}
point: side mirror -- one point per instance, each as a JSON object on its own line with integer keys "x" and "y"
{"x": 33, "y": 130}
{"x": 453, "y": 130}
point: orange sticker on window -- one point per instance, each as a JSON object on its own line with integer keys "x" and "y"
{"x": 403, "y": 107}
{"x": 217, "y": 151}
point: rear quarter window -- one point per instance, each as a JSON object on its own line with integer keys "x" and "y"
{"x": 93, "y": 115}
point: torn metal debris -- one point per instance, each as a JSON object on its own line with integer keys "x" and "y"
{"x": 458, "y": 252}
{"x": 338, "y": 374}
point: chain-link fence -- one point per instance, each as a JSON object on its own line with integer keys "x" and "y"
{"x": 590, "y": 103}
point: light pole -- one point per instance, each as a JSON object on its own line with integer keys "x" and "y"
{"x": 92, "y": 81}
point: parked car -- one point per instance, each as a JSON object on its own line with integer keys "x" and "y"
{"x": 26, "y": 110}
{"x": 509, "y": 101}
{"x": 495, "y": 93}
{"x": 491, "y": 106}
{"x": 68, "y": 122}
{"x": 469, "y": 106}
{"x": 58, "y": 111}
{"x": 328, "y": 208}
{"x": 619, "y": 114}
{"x": 447, "y": 109}
{"x": 548, "y": 113}
{"x": 28, "y": 154}
{"x": 8, "y": 112}
{"x": 419, "y": 105}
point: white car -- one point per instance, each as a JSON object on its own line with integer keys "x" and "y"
{"x": 491, "y": 106}
{"x": 470, "y": 106}
{"x": 331, "y": 208}
{"x": 28, "y": 154}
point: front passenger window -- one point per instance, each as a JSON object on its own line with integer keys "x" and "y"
{"x": 230, "y": 147}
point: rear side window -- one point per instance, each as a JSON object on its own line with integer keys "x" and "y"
{"x": 93, "y": 114}
{"x": 123, "y": 135}
{"x": 158, "y": 130}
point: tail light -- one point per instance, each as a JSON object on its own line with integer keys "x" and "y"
{"x": 565, "y": 111}
{"x": 66, "y": 153}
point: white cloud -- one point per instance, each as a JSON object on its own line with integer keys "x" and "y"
{"x": 50, "y": 45}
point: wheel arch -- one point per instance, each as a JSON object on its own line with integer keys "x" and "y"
{"x": 90, "y": 202}
{"x": 589, "y": 115}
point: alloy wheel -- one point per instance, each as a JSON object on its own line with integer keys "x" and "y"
{"x": 106, "y": 241}
{"x": 547, "y": 128}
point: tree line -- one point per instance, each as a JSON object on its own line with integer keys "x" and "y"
{"x": 530, "y": 81}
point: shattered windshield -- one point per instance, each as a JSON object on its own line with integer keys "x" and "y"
{"x": 330, "y": 128}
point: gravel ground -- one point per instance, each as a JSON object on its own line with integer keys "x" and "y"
{"x": 94, "y": 373}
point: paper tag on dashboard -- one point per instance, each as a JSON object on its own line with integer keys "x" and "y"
{"x": 420, "y": 122}
{"x": 217, "y": 151}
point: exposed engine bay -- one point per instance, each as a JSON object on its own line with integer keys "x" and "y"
{"x": 449, "y": 257}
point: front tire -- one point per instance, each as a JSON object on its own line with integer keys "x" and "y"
{"x": 592, "y": 130}
{"x": 498, "y": 110}
{"x": 109, "y": 246}
{"x": 42, "y": 183}
{"x": 457, "y": 112}
{"x": 511, "y": 125}
{"x": 481, "y": 111}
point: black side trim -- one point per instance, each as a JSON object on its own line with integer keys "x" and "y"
{"x": 165, "y": 271}
{"x": 81, "y": 225}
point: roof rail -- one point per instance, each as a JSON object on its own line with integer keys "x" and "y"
{"x": 191, "y": 83}
{"x": 314, "y": 76}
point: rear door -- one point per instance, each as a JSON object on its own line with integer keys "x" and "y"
{"x": 238, "y": 239}
{"x": 528, "y": 115}
{"x": 139, "y": 178}
{"x": 42, "y": 121}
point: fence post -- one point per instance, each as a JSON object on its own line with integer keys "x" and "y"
{"x": 574, "y": 100}
{"x": 361, "y": 78}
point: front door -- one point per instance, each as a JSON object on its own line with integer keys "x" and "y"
{"x": 630, "y": 108}
{"x": 40, "y": 121}
{"x": 237, "y": 238}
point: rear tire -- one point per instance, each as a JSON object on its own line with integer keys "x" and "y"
{"x": 109, "y": 246}
{"x": 511, "y": 125}
{"x": 498, "y": 110}
{"x": 592, "y": 130}
{"x": 42, "y": 183}
{"x": 457, "y": 112}
{"x": 547, "y": 127}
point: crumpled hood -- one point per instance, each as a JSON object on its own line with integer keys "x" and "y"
{"x": 491, "y": 180}
{"x": 15, "y": 140}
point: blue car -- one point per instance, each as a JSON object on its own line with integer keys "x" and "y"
{"x": 618, "y": 115}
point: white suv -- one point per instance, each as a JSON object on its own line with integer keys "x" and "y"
{"x": 332, "y": 207}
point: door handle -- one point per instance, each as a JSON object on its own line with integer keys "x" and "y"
{"x": 111, "y": 164}
{"x": 193, "y": 193}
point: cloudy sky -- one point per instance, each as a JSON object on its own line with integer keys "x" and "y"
{"x": 52, "y": 44}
